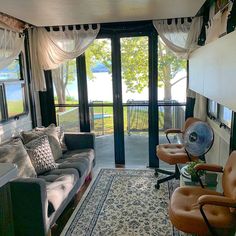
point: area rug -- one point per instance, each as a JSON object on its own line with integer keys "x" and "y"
{"x": 123, "y": 202}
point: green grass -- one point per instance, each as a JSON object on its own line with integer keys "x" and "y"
{"x": 70, "y": 120}
{"x": 15, "y": 108}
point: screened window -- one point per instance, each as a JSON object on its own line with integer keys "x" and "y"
{"x": 220, "y": 113}
{"x": 11, "y": 72}
{"x": 66, "y": 96}
{"x": 12, "y": 91}
{"x": 225, "y": 115}
{"x": 212, "y": 108}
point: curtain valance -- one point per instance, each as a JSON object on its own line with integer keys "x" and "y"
{"x": 50, "y": 49}
{"x": 180, "y": 35}
{"x": 11, "y": 44}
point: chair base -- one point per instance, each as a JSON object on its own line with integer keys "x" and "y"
{"x": 171, "y": 175}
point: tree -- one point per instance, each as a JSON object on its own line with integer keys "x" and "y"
{"x": 62, "y": 76}
{"x": 99, "y": 51}
{"x": 134, "y": 59}
{"x": 168, "y": 67}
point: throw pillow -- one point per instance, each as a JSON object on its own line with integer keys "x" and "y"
{"x": 40, "y": 153}
{"x": 15, "y": 152}
{"x": 61, "y": 136}
{"x": 51, "y": 132}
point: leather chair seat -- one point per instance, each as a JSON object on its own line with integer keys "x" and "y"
{"x": 173, "y": 154}
{"x": 184, "y": 212}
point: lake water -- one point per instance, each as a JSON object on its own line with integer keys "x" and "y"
{"x": 100, "y": 89}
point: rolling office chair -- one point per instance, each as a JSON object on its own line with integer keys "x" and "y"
{"x": 202, "y": 211}
{"x": 173, "y": 154}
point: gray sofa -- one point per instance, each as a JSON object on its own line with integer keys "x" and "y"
{"x": 38, "y": 202}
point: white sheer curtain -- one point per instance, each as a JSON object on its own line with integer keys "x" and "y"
{"x": 11, "y": 44}
{"x": 50, "y": 49}
{"x": 181, "y": 36}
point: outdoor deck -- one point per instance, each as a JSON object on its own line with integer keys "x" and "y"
{"x": 136, "y": 151}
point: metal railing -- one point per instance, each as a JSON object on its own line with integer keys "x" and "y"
{"x": 135, "y": 116}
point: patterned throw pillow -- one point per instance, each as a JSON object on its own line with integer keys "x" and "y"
{"x": 40, "y": 153}
{"x": 14, "y": 152}
{"x": 51, "y": 132}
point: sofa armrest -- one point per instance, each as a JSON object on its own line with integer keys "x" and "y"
{"x": 79, "y": 140}
{"x": 29, "y": 204}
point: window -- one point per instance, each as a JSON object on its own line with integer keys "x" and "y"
{"x": 225, "y": 115}
{"x": 66, "y": 96}
{"x": 219, "y": 113}
{"x": 212, "y": 108}
{"x": 12, "y": 91}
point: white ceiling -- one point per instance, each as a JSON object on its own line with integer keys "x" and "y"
{"x": 68, "y": 12}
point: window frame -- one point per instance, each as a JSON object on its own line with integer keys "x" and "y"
{"x": 216, "y": 116}
{"x": 3, "y": 105}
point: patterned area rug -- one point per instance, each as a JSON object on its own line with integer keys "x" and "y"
{"x": 123, "y": 202}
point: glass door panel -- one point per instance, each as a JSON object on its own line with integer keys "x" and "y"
{"x": 134, "y": 70}
{"x": 100, "y": 98}
{"x": 66, "y": 97}
{"x": 172, "y": 82}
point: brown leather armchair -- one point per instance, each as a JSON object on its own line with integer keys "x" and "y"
{"x": 173, "y": 153}
{"x": 187, "y": 123}
{"x": 206, "y": 212}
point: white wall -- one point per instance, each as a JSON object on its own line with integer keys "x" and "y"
{"x": 212, "y": 71}
{"x": 219, "y": 152}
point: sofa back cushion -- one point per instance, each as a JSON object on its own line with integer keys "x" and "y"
{"x": 51, "y": 132}
{"x": 15, "y": 152}
{"x": 40, "y": 153}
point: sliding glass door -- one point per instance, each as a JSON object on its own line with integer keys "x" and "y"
{"x": 100, "y": 99}
{"x": 125, "y": 92}
{"x": 135, "y": 99}
{"x": 66, "y": 96}
{"x": 172, "y": 81}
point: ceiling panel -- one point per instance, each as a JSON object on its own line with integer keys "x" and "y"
{"x": 68, "y": 12}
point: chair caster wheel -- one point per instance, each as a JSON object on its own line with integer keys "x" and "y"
{"x": 157, "y": 186}
{"x": 156, "y": 174}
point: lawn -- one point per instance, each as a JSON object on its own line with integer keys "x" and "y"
{"x": 137, "y": 122}
{"x": 15, "y": 108}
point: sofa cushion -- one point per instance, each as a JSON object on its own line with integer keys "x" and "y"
{"x": 80, "y": 159}
{"x": 59, "y": 183}
{"x": 51, "y": 132}
{"x": 14, "y": 152}
{"x": 40, "y": 154}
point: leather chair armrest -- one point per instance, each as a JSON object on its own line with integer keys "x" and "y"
{"x": 209, "y": 167}
{"x": 75, "y": 140}
{"x": 173, "y": 131}
{"x": 216, "y": 200}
